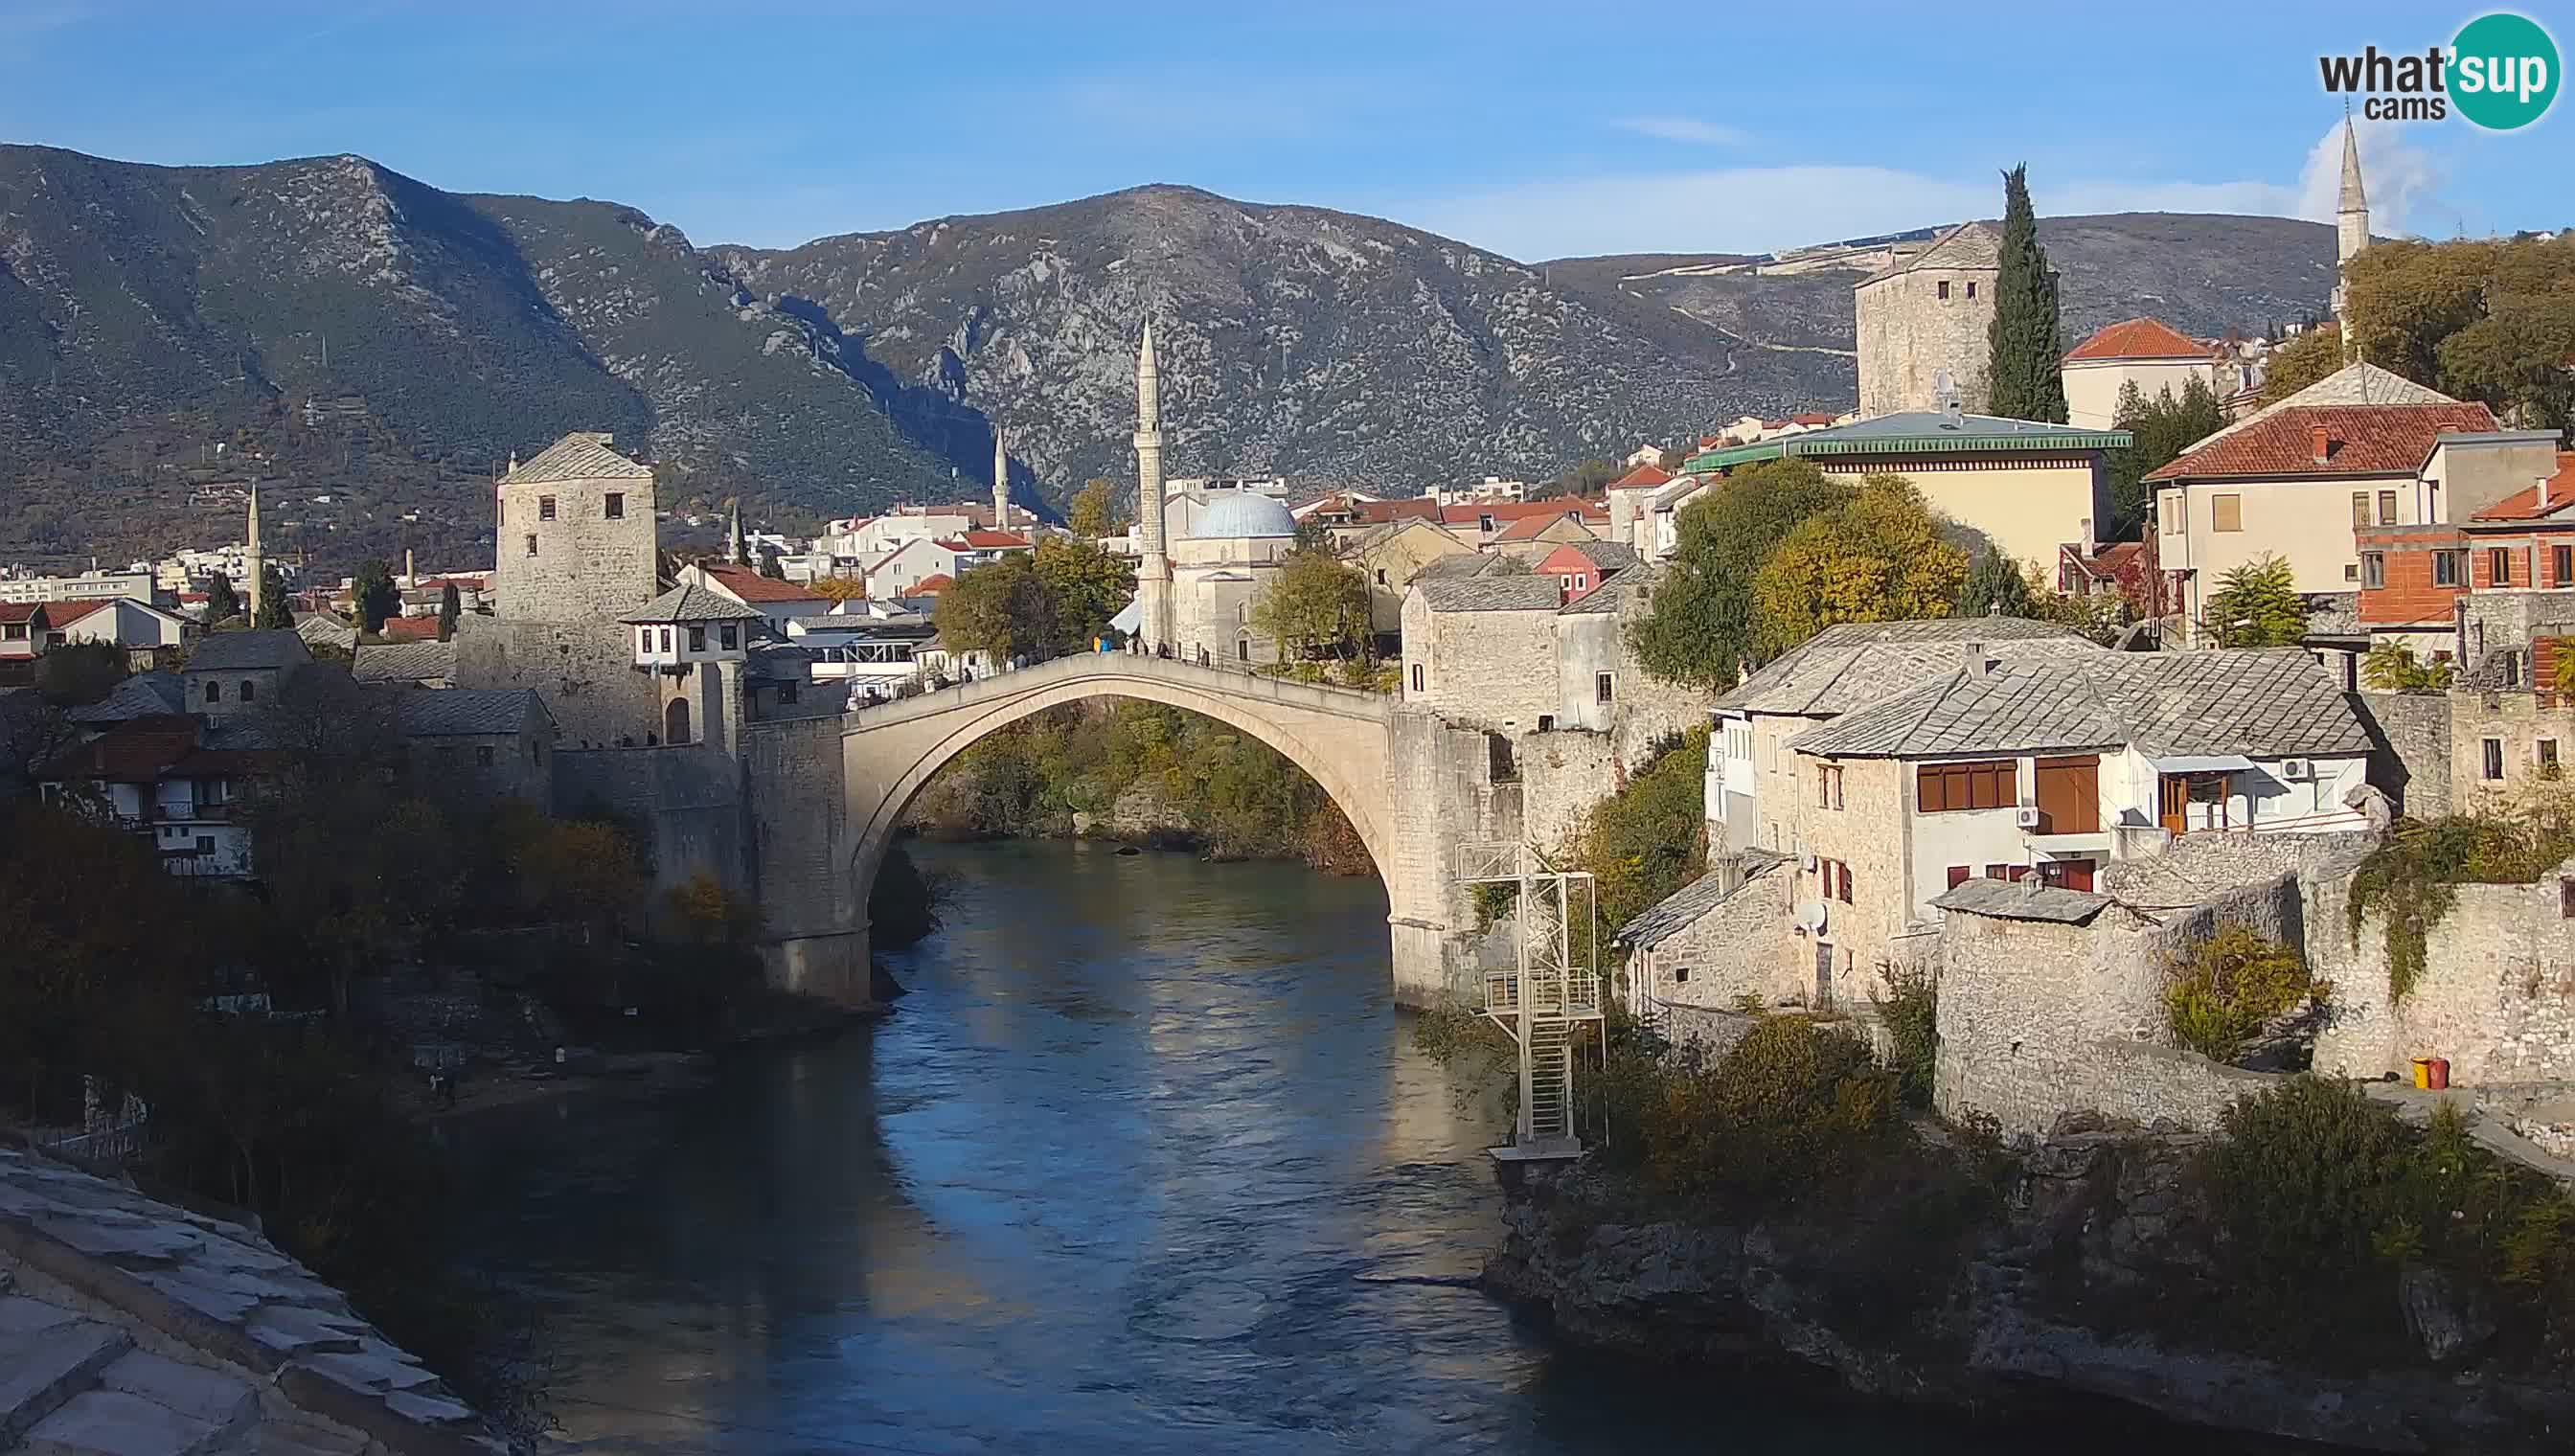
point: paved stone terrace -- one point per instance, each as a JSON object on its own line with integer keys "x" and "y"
{"x": 129, "y": 1327}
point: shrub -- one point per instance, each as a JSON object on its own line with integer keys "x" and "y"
{"x": 1787, "y": 1109}
{"x": 1910, "y": 1011}
{"x": 2227, "y": 989}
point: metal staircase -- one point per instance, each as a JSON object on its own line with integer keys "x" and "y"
{"x": 1551, "y": 989}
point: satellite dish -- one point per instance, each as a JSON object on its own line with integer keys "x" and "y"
{"x": 1810, "y": 916}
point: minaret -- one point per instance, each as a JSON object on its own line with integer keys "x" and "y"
{"x": 1001, "y": 482}
{"x": 1153, "y": 572}
{"x": 254, "y": 566}
{"x": 2351, "y": 234}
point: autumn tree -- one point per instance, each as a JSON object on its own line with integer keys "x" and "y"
{"x": 1701, "y": 627}
{"x": 1001, "y": 610}
{"x": 2162, "y": 428}
{"x": 2516, "y": 361}
{"x": 377, "y": 597}
{"x": 1094, "y": 512}
{"x": 1087, "y": 587}
{"x": 2026, "y": 353}
{"x": 2257, "y": 605}
{"x": 1314, "y": 606}
{"x": 1880, "y": 557}
{"x": 2303, "y": 360}
{"x": 839, "y": 589}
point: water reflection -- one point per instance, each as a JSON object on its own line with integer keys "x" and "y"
{"x": 1146, "y": 1163}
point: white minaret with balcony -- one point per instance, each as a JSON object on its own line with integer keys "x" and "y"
{"x": 1153, "y": 567}
{"x": 2351, "y": 234}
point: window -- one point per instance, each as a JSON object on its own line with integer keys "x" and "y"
{"x": 214, "y": 691}
{"x": 697, "y": 639}
{"x": 2351, "y": 570}
{"x": 2511, "y": 670}
{"x": 2566, "y": 899}
{"x": 2446, "y": 568}
{"x": 615, "y": 508}
{"x": 787, "y": 692}
{"x": 666, "y": 639}
{"x": 1944, "y": 787}
{"x": 2387, "y": 507}
{"x": 2226, "y": 513}
{"x": 2494, "y": 761}
{"x": 1381, "y": 575}
{"x": 1972, "y": 288}
{"x": 1845, "y": 895}
{"x": 205, "y": 843}
{"x": 2373, "y": 569}
{"x": 1680, "y": 974}
{"x": 1959, "y": 874}
{"x": 2499, "y": 566}
{"x": 531, "y": 543}
{"x": 2181, "y": 510}
{"x": 1416, "y": 677}
{"x": 1829, "y": 785}
{"x": 1604, "y": 687}
{"x": 732, "y": 636}
{"x": 2561, "y": 565}
{"x": 544, "y": 508}
{"x": 1485, "y": 524}
{"x": 483, "y": 754}
{"x": 2012, "y": 872}
{"x": 2548, "y": 756}
{"x": 1944, "y": 290}
{"x": 2360, "y": 510}
{"x": 1832, "y": 881}
{"x": 1547, "y": 723}
{"x": 249, "y": 689}
{"x": 1564, "y": 583}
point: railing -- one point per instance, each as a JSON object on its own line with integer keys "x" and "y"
{"x": 1575, "y": 998}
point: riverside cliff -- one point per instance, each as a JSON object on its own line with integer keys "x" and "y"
{"x": 2089, "y": 1273}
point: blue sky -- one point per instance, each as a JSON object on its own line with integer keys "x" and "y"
{"x": 1539, "y": 132}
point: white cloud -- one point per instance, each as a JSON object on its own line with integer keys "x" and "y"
{"x": 1684, "y": 129}
{"x": 2404, "y": 180}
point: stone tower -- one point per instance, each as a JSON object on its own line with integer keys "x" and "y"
{"x": 254, "y": 564}
{"x": 2351, "y": 234}
{"x": 1925, "y": 315}
{"x": 1001, "y": 482}
{"x": 1153, "y": 572}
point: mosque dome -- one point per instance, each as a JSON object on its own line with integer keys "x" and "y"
{"x": 1239, "y": 513}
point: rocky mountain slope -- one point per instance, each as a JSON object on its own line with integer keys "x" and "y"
{"x": 147, "y": 313}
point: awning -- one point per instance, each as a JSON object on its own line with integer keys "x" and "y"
{"x": 1129, "y": 617}
{"x": 2214, "y": 764}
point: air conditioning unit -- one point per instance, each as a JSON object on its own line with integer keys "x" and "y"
{"x": 2026, "y": 816}
{"x": 2297, "y": 769}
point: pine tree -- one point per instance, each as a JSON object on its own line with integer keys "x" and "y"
{"x": 2022, "y": 378}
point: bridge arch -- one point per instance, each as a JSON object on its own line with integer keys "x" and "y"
{"x": 1337, "y": 736}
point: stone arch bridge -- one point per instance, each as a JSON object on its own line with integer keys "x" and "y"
{"x": 1395, "y": 772}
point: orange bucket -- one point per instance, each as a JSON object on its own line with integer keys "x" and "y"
{"x": 2432, "y": 1073}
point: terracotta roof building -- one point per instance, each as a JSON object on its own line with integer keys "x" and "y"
{"x": 2148, "y": 353}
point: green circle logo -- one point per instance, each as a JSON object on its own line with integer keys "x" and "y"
{"x": 2503, "y": 71}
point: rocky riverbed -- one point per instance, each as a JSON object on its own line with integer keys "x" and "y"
{"x": 2092, "y": 1280}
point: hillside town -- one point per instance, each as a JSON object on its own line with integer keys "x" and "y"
{"x": 2097, "y": 736}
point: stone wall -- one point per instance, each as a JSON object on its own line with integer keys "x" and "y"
{"x": 2496, "y": 996}
{"x": 583, "y": 669}
{"x": 1562, "y": 775}
{"x": 686, "y": 802}
{"x": 812, "y": 909}
{"x": 1484, "y": 669}
{"x": 1908, "y": 334}
{"x": 2411, "y": 749}
{"x": 2519, "y": 722}
{"x": 1738, "y": 948}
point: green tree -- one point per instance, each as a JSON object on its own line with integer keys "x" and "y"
{"x": 1587, "y": 478}
{"x": 2163, "y": 427}
{"x": 222, "y": 603}
{"x": 770, "y": 565}
{"x": 2515, "y": 360}
{"x": 1094, "y": 512}
{"x": 2257, "y": 605}
{"x": 2407, "y": 297}
{"x": 2391, "y": 668}
{"x": 1001, "y": 608}
{"x": 1314, "y": 606}
{"x": 1088, "y": 587}
{"x": 1996, "y": 587}
{"x": 377, "y": 597}
{"x": 2301, "y": 362}
{"x": 77, "y": 673}
{"x": 1699, "y": 631}
{"x": 450, "y": 605}
{"x": 2025, "y": 350}
{"x": 276, "y": 608}
{"x": 1878, "y": 557}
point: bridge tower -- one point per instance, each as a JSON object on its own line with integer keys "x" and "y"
{"x": 1550, "y": 991}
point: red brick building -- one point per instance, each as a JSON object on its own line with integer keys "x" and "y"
{"x": 2413, "y": 576}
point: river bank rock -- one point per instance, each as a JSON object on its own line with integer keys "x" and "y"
{"x": 2093, "y": 1282}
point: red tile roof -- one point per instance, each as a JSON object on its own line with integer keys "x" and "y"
{"x": 64, "y": 614}
{"x": 1814, "y": 419}
{"x": 1642, "y": 477}
{"x": 2139, "y": 338}
{"x": 19, "y": 611}
{"x": 995, "y": 540}
{"x": 747, "y": 585}
{"x": 1475, "y": 511}
{"x": 2359, "y": 440}
{"x": 410, "y": 629}
{"x": 2545, "y": 498}
{"x": 1530, "y": 527}
{"x": 1377, "y": 512}
{"x": 933, "y": 584}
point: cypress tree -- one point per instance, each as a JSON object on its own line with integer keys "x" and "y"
{"x": 276, "y": 611}
{"x": 2021, "y": 376}
{"x": 450, "y": 605}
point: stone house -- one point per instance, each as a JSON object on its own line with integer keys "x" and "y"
{"x": 1390, "y": 555}
{"x": 480, "y": 745}
{"x": 1692, "y": 952}
{"x": 2030, "y": 487}
{"x": 2147, "y": 352}
{"x": 1532, "y": 538}
{"x": 1582, "y": 567}
{"x": 2507, "y": 740}
{"x": 236, "y": 673}
{"x": 1476, "y": 649}
{"x": 1923, "y": 322}
{"x": 1629, "y": 498}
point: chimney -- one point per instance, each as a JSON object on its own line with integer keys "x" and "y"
{"x": 2320, "y": 441}
{"x": 1978, "y": 665}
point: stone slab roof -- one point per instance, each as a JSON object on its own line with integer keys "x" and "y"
{"x": 234, "y": 652}
{"x": 2269, "y": 703}
{"x": 1462, "y": 564}
{"x": 403, "y": 662}
{"x": 1633, "y": 585}
{"x": 688, "y": 602}
{"x": 1491, "y": 594}
{"x": 131, "y": 1326}
{"x": 1968, "y": 245}
{"x": 1683, "y": 907}
{"x": 145, "y": 695}
{"x": 2027, "y": 900}
{"x": 446, "y": 712}
{"x": 1857, "y": 662}
{"x": 581, "y": 456}
{"x": 324, "y": 630}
